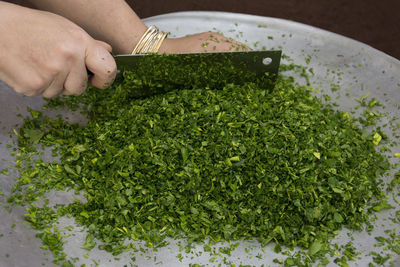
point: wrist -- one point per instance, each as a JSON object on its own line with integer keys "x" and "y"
{"x": 127, "y": 45}
{"x": 168, "y": 46}
{"x": 150, "y": 41}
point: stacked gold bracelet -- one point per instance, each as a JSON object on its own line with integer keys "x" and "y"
{"x": 150, "y": 42}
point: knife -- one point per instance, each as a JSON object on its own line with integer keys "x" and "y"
{"x": 160, "y": 73}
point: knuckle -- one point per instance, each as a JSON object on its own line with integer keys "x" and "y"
{"x": 55, "y": 67}
{"x": 67, "y": 51}
{"x": 78, "y": 34}
{"x": 37, "y": 83}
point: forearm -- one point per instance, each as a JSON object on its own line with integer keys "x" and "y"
{"x": 112, "y": 21}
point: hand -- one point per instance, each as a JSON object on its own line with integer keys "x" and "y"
{"x": 201, "y": 42}
{"x": 45, "y": 54}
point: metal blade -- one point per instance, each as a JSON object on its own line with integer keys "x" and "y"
{"x": 163, "y": 73}
{"x": 258, "y": 62}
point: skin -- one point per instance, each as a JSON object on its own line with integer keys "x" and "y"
{"x": 51, "y": 66}
{"x": 101, "y": 18}
{"x": 46, "y": 54}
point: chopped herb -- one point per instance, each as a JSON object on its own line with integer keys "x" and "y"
{"x": 238, "y": 162}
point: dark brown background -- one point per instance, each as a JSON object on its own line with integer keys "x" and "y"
{"x": 374, "y": 22}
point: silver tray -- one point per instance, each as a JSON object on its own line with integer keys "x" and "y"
{"x": 356, "y": 68}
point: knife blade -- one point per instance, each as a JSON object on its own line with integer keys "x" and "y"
{"x": 161, "y": 73}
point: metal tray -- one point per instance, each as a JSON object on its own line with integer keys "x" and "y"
{"x": 337, "y": 61}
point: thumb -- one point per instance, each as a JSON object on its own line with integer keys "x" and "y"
{"x": 105, "y": 45}
{"x": 101, "y": 63}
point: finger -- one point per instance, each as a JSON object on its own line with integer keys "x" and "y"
{"x": 76, "y": 81}
{"x": 29, "y": 84}
{"x": 102, "y": 64}
{"x": 56, "y": 87}
{"x": 105, "y": 45}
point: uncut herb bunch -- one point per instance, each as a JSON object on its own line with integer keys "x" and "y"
{"x": 236, "y": 163}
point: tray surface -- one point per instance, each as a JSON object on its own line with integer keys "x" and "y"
{"x": 336, "y": 60}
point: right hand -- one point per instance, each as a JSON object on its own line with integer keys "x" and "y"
{"x": 45, "y": 54}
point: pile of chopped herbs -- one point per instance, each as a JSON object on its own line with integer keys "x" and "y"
{"x": 238, "y": 162}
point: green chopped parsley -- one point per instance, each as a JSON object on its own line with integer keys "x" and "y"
{"x": 239, "y": 162}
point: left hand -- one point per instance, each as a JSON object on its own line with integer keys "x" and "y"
{"x": 201, "y": 42}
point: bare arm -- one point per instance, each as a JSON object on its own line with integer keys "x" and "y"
{"x": 114, "y": 22}
{"x": 48, "y": 54}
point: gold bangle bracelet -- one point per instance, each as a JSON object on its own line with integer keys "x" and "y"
{"x": 150, "y": 42}
{"x": 143, "y": 40}
{"x": 160, "y": 40}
